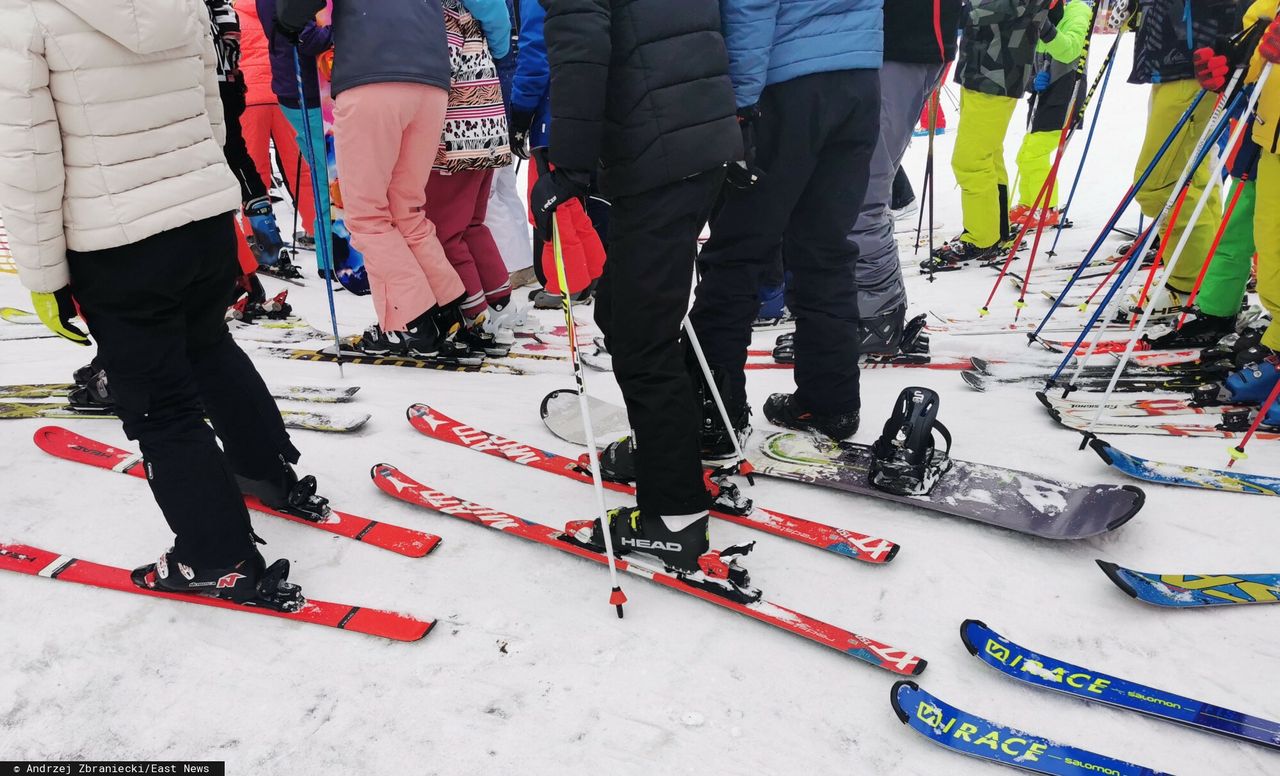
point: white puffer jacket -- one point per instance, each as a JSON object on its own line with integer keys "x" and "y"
{"x": 110, "y": 127}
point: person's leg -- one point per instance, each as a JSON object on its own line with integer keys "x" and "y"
{"x": 318, "y": 154}
{"x": 494, "y": 276}
{"x": 1035, "y": 160}
{"x": 135, "y": 300}
{"x": 237, "y": 154}
{"x": 904, "y": 88}
{"x": 747, "y": 229}
{"x": 902, "y": 192}
{"x": 255, "y": 126}
{"x": 822, "y": 294}
{"x": 652, "y": 246}
{"x": 978, "y": 164}
{"x": 1168, "y": 103}
{"x": 294, "y": 167}
{"x": 508, "y": 220}
{"x": 370, "y": 125}
{"x": 450, "y": 205}
{"x": 1267, "y": 233}
{"x": 1228, "y": 275}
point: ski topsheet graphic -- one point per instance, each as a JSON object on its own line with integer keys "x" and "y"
{"x": 1185, "y": 476}
{"x": 1182, "y": 591}
{"x": 396, "y": 483}
{"x": 36, "y": 562}
{"x": 1048, "y": 673}
{"x": 969, "y": 734}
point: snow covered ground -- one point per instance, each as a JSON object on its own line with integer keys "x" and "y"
{"x": 529, "y": 671}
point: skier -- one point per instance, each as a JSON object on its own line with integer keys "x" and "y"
{"x": 808, "y": 96}
{"x": 641, "y": 92}
{"x": 919, "y": 39}
{"x": 473, "y": 146}
{"x": 1056, "y": 93}
{"x": 1168, "y": 31}
{"x": 117, "y": 198}
{"x": 268, "y": 246}
{"x": 1255, "y": 380}
{"x": 390, "y": 89}
{"x": 995, "y": 69}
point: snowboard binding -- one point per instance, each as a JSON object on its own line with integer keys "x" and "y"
{"x": 906, "y": 460}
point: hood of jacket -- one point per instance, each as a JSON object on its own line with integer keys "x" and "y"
{"x": 142, "y": 26}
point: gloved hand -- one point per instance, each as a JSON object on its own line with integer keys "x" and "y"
{"x": 554, "y": 187}
{"x": 1042, "y": 81}
{"x": 292, "y": 16}
{"x": 1211, "y": 69}
{"x": 518, "y": 127}
{"x": 1269, "y": 48}
{"x": 56, "y": 311}
{"x": 744, "y": 174}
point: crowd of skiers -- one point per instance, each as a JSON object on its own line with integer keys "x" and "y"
{"x": 126, "y": 159}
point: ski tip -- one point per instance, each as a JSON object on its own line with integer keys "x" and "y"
{"x": 920, "y": 665}
{"x": 380, "y": 470}
{"x": 1103, "y": 449}
{"x": 895, "y": 697}
{"x": 965, "y": 628}
{"x": 1113, "y": 573}
{"x": 1139, "y": 499}
{"x": 973, "y": 380}
{"x": 46, "y": 433}
{"x": 417, "y": 409}
{"x": 980, "y": 365}
{"x": 893, "y": 553}
{"x": 1043, "y": 398}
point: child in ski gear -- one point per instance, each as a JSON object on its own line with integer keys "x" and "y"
{"x": 507, "y": 217}
{"x": 996, "y": 67}
{"x": 117, "y": 191}
{"x": 1057, "y": 99}
{"x": 390, "y": 89}
{"x": 807, "y": 83}
{"x": 916, "y": 49}
{"x": 661, "y": 154}
{"x": 473, "y": 146}
{"x": 1167, "y": 34}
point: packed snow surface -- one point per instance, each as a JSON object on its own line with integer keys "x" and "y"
{"x": 529, "y": 671}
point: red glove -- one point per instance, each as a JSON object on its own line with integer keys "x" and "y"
{"x": 1269, "y": 48}
{"x": 1211, "y": 69}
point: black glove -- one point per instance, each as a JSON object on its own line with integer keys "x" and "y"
{"x": 745, "y": 174}
{"x": 553, "y": 188}
{"x": 293, "y": 16}
{"x": 518, "y": 126}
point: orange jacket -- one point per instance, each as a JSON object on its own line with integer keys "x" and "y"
{"x": 255, "y": 61}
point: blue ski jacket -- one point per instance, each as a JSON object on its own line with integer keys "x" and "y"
{"x": 772, "y": 41}
{"x": 531, "y": 87}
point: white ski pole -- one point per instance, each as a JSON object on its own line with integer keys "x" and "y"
{"x": 617, "y": 598}
{"x": 743, "y": 466}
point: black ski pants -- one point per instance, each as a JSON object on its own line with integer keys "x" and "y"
{"x": 235, "y": 150}
{"x": 640, "y": 304}
{"x": 815, "y": 137}
{"x": 156, "y": 309}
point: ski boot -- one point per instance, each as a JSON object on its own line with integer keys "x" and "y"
{"x": 304, "y": 241}
{"x": 93, "y": 396}
{"x": 955, "y": 254}
{"x": 716, "y": 443}
{"x": 782, "y": 409}
{"x": 508, "y": 320}
{"x": 84, "y": 374}
{"x": 1251, "y": 384}
{"x": 1167, "y": 304}
{"x": 617, "y": 461}
{"x": 250, "y": 582}
{"x": 422, "y": 339}
{"x": 545, "y": 300}
{"x": 286, "y": 492}
{"x": 1198, "y": 331}
{"x": 268, "y": 245}
{"x": 784, "y": 348}
{"x": 905, "y": 460}
{"x": 773, "y": 311}
{"x": 472, "y": 332}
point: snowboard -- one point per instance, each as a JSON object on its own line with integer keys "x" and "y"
{"x": 1185, "y": 476}
{"x": 1184, "y": 591}
{"x": 306, "y": 421}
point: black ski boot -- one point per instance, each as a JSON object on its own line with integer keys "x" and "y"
{"x": 472, "y": 333}
{"x": 882, "y": 334}
{"x": 1198, "y": 331}
{"x": 617, "y": 461}
{"x": 716, "y": 443}
{"x": 905, "y": 459}
{"x": 422, "y": 339}
{"x": 84, "y": 374}
{"x": 93, "y": 396}
{"x": 957, "y": 253}
{"x": 782, "y": 409}
{"x": 286, "y": 492}
{"x": 250, "y": 582}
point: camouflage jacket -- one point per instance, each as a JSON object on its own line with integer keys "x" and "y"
{"x": 998, "y": 48}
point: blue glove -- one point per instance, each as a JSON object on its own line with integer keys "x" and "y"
{"x": 1042, "y": 81}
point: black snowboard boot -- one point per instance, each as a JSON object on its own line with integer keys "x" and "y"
{"x": 249, "y": 582}
{"x": 782, "y": 409}
{"x": 286, "y": 492}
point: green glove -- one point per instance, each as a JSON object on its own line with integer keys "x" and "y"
{"x": 56, "y": 311}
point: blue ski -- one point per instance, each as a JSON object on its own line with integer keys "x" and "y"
{"x": 1186, "y": 476}
{"x": 962, "y": 732}
{"x": 1050, "y": 673}
{"x": 1189, "y": 590}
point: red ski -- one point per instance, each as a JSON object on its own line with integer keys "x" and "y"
{"x": 396, "y": 483}
{"x": 855, "y": 545}
{"x": 374, "y": 622}
{"x": 74, "y": 447}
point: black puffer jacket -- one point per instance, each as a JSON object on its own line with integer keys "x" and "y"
{"x": 912, "y": 29}
{"x": 641, "y": 89}
{"x": 1162, "y": 49}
